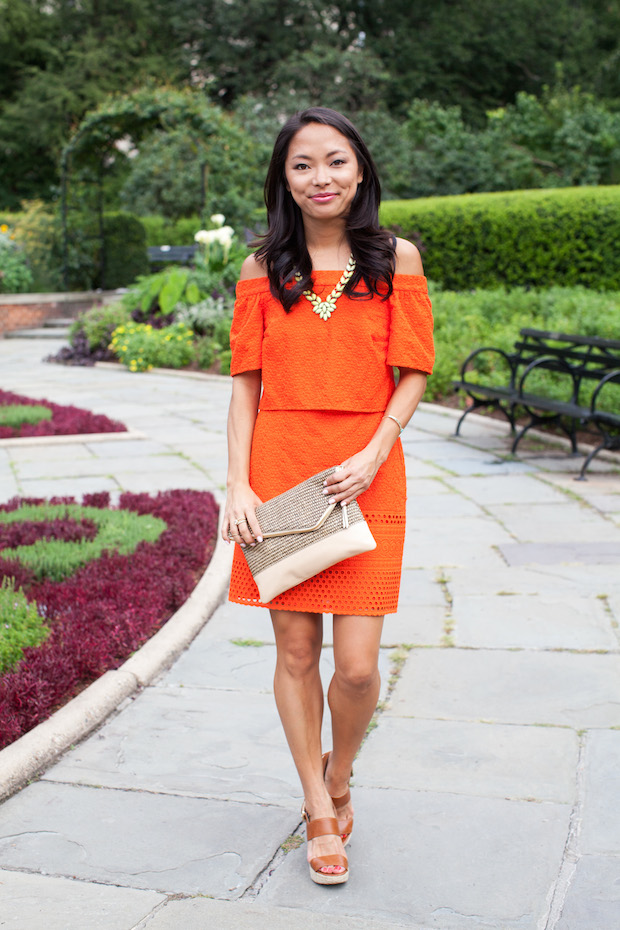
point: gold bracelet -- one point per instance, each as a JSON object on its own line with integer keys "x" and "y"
{"x": 388, "y": 416}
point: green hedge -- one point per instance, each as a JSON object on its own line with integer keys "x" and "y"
{"x": 536, "y": 238}
{"x": 466, "y": 321}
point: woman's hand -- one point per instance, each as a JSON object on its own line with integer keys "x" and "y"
{"x": 240, "y": 516}
{"x": 352, "y": 477}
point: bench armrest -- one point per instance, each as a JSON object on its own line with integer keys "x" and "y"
{"x": 610, "y": 376}
{"x": 551, "y": 363}
{"x": 472, "y": 355}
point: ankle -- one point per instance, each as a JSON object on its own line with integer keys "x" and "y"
{"x": 337, "y": 779}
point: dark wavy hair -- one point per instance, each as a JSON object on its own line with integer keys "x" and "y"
{"x": 283, "y": 248}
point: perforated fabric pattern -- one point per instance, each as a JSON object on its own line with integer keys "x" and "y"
{"x": 289, "y": 446}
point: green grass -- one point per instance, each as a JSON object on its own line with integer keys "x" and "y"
{"x": 15, "y": 415}
{"x": 119, "y": 531}
{"x": 20, "y": 625}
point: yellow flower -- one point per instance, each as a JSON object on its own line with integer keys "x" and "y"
{"x": 4, "y": 228}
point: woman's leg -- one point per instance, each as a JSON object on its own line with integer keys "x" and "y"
{"x": 353, "y": 695}
{"x": 299, "y": 699}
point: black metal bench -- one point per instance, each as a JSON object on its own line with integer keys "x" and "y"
{"x": 183, "y": 254}
{"x": 580, "y": 385}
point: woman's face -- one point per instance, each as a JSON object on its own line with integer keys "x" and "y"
{"x": 322, "y": 172}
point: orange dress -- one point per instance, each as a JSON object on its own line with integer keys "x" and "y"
{"x": 326, "y": 384}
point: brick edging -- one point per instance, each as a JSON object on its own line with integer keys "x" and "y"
{"x": 29, "y": 311}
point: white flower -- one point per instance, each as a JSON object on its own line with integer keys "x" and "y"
{"x": 218, "y": 219}
{"x": 224, "y": 235}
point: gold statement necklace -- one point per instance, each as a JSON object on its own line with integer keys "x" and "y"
{"x": 325, "y": 308}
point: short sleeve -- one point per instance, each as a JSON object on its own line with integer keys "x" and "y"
{"x": 246, "y": 333}
{"x": 410, "y": 342}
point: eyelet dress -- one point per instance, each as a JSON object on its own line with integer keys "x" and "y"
{"x": 326, "y": 384}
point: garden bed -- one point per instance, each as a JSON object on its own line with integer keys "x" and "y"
{"x": 25, "y": 417}
{"x": 85, "y": 585}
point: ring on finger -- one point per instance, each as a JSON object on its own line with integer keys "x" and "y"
{"x": 241, "y": 520}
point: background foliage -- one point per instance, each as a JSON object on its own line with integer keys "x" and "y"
{"x": 385, "y": 63}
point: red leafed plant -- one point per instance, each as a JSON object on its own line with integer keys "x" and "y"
{"x": 108, "y": 608}
{"x": 65, "y": 421}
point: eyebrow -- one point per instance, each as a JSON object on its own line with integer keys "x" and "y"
{"x": 329, "y": 154}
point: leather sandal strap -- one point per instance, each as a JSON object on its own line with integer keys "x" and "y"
{"x": 348, "y": 830}
{"x": 323, "y": 826}
{"x": 342, "y": 800}
{"x": 321, "y": 862}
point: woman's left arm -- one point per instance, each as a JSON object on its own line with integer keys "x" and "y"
{"x": 357, "y": 473}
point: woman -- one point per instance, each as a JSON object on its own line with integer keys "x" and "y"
{"x": 321, "y": 345}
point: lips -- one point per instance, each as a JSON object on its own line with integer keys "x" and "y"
{"x": 323, "y": 198}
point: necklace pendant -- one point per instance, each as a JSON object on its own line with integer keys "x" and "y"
{"x": 324, "y": 309}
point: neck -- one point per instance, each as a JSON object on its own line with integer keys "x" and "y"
{"x": 327, "y": 244}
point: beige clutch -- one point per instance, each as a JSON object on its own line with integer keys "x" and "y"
{"x": 303, "y": 535}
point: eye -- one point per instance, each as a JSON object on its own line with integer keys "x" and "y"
{"x": 300, "y": 166}
{"x": 339, "y": 161}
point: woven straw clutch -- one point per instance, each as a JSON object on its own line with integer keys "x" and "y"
{"x": 302, "y": 535}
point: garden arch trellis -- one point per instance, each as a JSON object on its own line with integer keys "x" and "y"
{"x": 132, "y": 117}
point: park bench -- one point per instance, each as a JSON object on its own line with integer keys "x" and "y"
{"x": 183, "y": 254}
{"x": 554, "y": 379}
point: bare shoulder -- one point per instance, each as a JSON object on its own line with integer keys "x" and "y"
{"x": 252, "y": 268}
{"x": 408, "y": 259}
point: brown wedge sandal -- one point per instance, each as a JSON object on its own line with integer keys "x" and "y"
{"x": 340, "y": 802}
{"x": 325, "y": 826}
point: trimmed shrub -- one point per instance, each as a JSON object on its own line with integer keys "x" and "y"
{"x": 64, "y": 420}
{"x": 15, "y": 415}
{"x": 118, "y": 531}
{"x": 536, "y": 238}
{"x": 125, "y": 250}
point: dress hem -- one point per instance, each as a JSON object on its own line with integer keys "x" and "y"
{"x": 247, "y": 602}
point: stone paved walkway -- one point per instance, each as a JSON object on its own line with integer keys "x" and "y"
{"x": 487, "y": 794}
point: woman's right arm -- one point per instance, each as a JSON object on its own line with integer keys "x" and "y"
{"x": 241, "y": 501}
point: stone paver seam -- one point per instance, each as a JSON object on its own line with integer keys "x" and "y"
{"x": 614, "y": 621}
{"x": 570, "y": 854}
{"x": 294, "y": 841}
{"x": 13, "y": 467}
{"x": 575, "y": 496}
{"x": 146, "y": 920}
{"x": 443, "y": 580}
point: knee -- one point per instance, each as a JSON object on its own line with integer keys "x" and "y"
{"x": 358, "y": 677}
{"x": 299, "y": 659}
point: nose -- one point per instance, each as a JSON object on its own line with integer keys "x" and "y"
{"x": 321, "y": 176}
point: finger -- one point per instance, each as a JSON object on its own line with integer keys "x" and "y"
{"x": 254, "y": 528}
{"x": 226, "y": 529}
{"x": 337, "y": 475}
{"x": 236, "y": 537}
{"x": 242, "y": 529}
